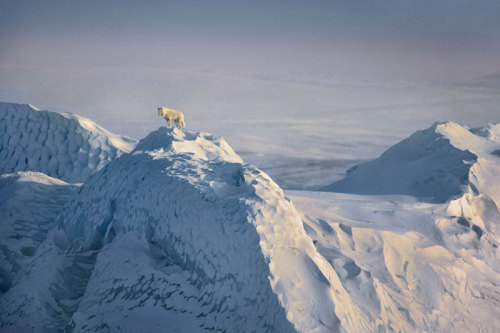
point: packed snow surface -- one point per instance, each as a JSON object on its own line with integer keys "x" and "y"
{"x": 432, "y": 165}
{"x": 65, "y": 146}
{"x": 410, "y": 266}
{"x": 180, "y": 235}
{"x": 29, "y": 205}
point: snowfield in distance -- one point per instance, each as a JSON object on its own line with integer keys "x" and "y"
{"x": 176, "y": 233}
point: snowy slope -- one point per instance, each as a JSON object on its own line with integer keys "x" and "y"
{"x": 66, "y": 146}
{"x": 414, "y": 266}
{"x": 62, "y": 145}
{"x": 431, "y": 165}
{"x": 410, "y": 266}
{"x": 179, "y": 235}
{"x": 29, "y": 205}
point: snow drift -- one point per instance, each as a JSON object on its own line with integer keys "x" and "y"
{"x": 29, "y": 205}
{"x": 65, "y": 146}
{"x": 409, "y": 266}
{"x": 35, "y": 145}
{"x": 428, "y": 165}
{"x": 414, "y": 266}
{"x": 179, "y": 235}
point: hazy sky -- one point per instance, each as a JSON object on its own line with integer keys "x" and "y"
{"x": 406, "y": 39}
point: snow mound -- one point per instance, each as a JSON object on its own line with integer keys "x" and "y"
{"x": 432, "y": 165}
{"x": 65, "y": 146}
{"x": 411, "y": 266}
{"x": 179, "y": 235}
{"x": 29, "y": 205}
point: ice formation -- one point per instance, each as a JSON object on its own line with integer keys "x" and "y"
{"x": 180, "y": 235}
{"x": 61, "y": 145}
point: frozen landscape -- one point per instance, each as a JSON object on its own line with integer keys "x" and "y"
{"x": 335, "y": 168}
{"x": 175, "y": 232}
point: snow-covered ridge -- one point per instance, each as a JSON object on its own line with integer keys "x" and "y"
{"x": 61, "y": 145}
{"x": 179, "y": 235}
{"x": 410, "y": 266}
{"x": 165, "y": 142}
{"x": 431, "y": 164}
{"x": 413, "y": 266}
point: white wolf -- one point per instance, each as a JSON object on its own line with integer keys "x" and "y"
{"x": 171, "y": 114}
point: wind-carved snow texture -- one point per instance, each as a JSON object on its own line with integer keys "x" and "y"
{"x": 63, "y": 145}
{"x": 413, "y": 266}
{"x": 179, "y": 235}
{"x": 66, "y": 146}
{"x": 29, "y": 205}
{"x": 425, "y": 165}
